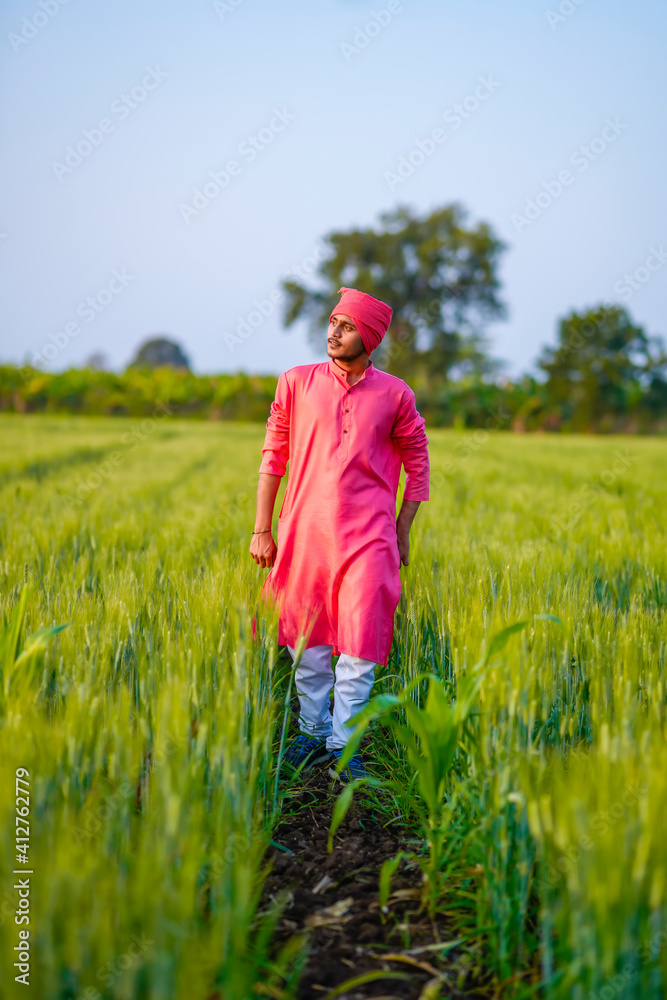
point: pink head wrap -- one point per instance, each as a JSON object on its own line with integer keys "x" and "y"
{"x": 371, "y": 316}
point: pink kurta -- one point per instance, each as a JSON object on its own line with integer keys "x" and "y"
{"x": 336, "y": 573}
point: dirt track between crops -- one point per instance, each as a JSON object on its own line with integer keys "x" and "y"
{"x": 335, "y": 898}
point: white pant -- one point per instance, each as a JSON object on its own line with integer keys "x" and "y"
{"x": 314, "y": 680}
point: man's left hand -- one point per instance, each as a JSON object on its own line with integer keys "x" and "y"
{"x": 403, "y": 539}
{"x": 406, "y": 516}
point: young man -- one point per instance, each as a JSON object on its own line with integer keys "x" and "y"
{"x": 345, "y": 427}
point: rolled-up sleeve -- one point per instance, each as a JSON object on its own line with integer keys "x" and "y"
{"x": 275, "y": 452}
{"x": 408, "y": 432}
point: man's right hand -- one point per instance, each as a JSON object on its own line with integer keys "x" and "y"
{"x": 263, "y": 549}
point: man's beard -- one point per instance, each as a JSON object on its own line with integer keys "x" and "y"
{"x": 348, "y": 356}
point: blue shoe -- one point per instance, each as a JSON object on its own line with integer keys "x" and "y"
{"x": 305, "y": 752}
{"x": 355, "y": 767}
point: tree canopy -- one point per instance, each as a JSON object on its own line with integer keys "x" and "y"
{"x": 605, "y": 374}
{"x": 160, "y": 352}
{"x": 603, "y": 366}
{"x": 438, "y": 274}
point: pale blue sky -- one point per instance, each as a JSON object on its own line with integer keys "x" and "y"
{"x": 346, "y": 117}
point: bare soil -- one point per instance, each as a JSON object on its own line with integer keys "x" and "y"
{"x": 334, "y": 897}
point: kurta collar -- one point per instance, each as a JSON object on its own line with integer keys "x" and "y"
{"x": 340, "y": 373}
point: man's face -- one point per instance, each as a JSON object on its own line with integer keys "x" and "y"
{"x": 344, "y": 342}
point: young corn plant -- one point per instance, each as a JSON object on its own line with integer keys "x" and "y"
{"x": 430, "y": 737}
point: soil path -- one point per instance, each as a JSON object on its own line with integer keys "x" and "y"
{"x": 335, "y": 898}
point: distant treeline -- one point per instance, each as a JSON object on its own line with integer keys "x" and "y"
{"x": 604, "y": 373}
{"x": 524, "y": 405}
{"x": 137, "y": 392}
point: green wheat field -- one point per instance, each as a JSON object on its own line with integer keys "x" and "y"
{"x": 150, "y": 726}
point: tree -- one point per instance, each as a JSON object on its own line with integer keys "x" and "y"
{"x": 438, "y": 275}
{"x": 603, "y": 366}
{"x": 160, "y": 352}
{"x": 97, "y": 361}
